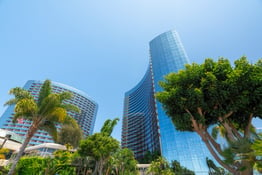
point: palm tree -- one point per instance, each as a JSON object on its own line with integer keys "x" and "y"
{"x": 108, "y": 126}
{"x": 44, "y": 112}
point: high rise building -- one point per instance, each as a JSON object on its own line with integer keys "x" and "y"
{"x": 86, "y": 118}
{"x": 146, "y": 127}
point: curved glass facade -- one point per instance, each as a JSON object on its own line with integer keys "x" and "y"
{"x": 140, "y": 127}
{"x": 166, "y": 55}
{"x": 85, "y": 119}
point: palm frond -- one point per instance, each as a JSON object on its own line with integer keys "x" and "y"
{"x": 49, "y": 127}
{"x": 57, "y": 115}
{"x": 70, "y": 121}
{"x": 45, "y": 91}
{"x": 19, "y": 94}
{"x": 65, "y": 96}
{"x": 26, "y": 107}
{"x": 70, "y": 107}
{"x": 108, "y": 126}
{"x": 12, "y": 101}
{"x": 48, "y": 104}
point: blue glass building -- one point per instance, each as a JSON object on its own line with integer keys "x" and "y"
{"x": 144, "y": 118}
{"x": 140, "y": 126}
{"x": 86, "y": 118}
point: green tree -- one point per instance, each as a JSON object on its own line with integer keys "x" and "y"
{"x": 108, "y": 126}
{"x": 149, "y": 157}
{"x": 70, "y": 133}
{"x": 178, "y": 169}
{"x": 159, "y": 167}
{"x": 60, "y": 164}
{"x": 215, "y": 93}
{"x": 122, "y": 162}
{"x": 100, "y": 147}
{"x": 30, "y": 165}
{"x": 84, "y": 165}
{"x": 44, "y": 113}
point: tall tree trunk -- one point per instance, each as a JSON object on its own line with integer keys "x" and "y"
{"x": 213, "y": 142}
{"x": 214, "y": 154}
{"x": 100, "y": 169}
{"x": 96, "y": 168}
{"x": 247, "y": 129}
{"x": 30, "y": 134}
{"x": 248, "y": 170}
{"x": 229, "y": 131}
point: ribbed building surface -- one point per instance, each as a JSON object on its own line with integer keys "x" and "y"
{"x": 144, "y": 118}
{"x": 85, "y": 119}
{"x": 140, "y": 128}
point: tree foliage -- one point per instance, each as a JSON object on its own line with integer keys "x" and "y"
{"x": 160, "y": 166}
{"x": 44, "y": 112}
{"x": 178, "y": 169}
{"x": 60, "y": 163}
{"x": 215, "y": 93}
{"x": 30, "y": 165}
{"x": 149, "y": 157}
{"x": 108, "y": 126}
{"x": 122, "y": 162}
{"x": 100, "y": 147}
{"x": 70, "y": 133}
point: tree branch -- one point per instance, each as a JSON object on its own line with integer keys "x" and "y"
{"x": 199, "y": 110}
{"x": 235, "y": 131}
{"x": 214, "y": 143}
{"x": 194, "y": 123}
{"x": 228, "y": 128}
{"x": 214, "y": 154}
{"x": 206, "y": 138}
{"x": 227, "y": 115}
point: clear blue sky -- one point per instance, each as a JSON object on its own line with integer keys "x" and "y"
{"x": 101, "y": 46}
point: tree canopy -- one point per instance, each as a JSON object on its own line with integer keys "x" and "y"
{"x": 100, "y": 147}
{"x": 70, "y": 133}
{"x": 160, "y": 166}
{"x": 211, "y": 93}
{"x": 122, "y": 162}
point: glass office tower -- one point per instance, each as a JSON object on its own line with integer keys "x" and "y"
{"x": 86, "y": 118}
{"x": 144, "y": 116}
{"x": 140, "y": 126}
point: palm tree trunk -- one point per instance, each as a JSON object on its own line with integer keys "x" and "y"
{"x": 30, "y": 134}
